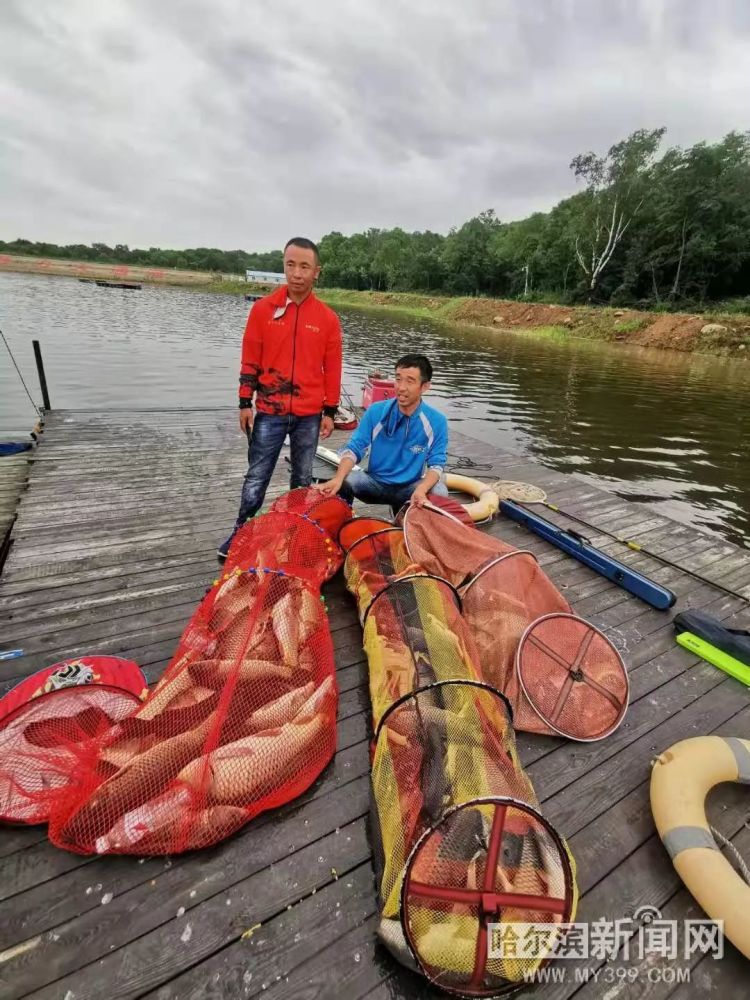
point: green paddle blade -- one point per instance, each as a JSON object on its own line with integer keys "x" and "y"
{"x": 735, "y": 668}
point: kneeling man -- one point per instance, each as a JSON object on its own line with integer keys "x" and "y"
{"x": 407, "y": 441}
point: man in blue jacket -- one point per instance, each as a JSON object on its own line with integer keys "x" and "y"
{"x": 407, "y": 441}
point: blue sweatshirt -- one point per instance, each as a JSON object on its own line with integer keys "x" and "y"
{"x": 401, "y": 447}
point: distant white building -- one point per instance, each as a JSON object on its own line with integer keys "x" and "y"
{"x": 265, "y": 277}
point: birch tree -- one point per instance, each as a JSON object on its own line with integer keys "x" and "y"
{"x": 615, "y": 188}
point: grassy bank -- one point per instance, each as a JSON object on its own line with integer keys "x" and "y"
{"x": 719, "y": 333}
{"x": 722, "y": 334}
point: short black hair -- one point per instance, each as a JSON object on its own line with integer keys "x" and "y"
{"x": 304, "y": 243}
{"x": 416, "y": 361}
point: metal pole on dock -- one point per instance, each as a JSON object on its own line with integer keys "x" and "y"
{"x": 40, "y": 373}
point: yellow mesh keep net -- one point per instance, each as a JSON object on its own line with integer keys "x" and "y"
{"x": 460, "y": 842}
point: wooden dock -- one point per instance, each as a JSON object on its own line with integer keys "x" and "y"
{"x": 114, "y": 546}
{"x": 14, "y": 471}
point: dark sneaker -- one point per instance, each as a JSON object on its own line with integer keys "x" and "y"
{"x": 223, "y": 550}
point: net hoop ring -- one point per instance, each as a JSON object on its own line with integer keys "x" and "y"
{"x": 594, "y": 631}
{"x": 335, "y": 500}
{"x": 438, "y": 684}
{"x": 493, "y": 562}
{"x": 431, "y": 507}
{"x": 412, "y": 889}
{"x": 33, "y": 705}
{"x": 395, "y": 581}
{"x": 428, "y": 506}
{"x": 338, "y": 501}
{"x": 355, "y": 520}
{"x": 365, "y": 538}
{"x": 13, "y": 715}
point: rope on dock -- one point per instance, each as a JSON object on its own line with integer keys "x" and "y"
{"x": 23, "y": 383}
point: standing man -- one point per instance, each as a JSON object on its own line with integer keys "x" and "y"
{"x": 291, "y": 363}
{"x": 407, "y": 441}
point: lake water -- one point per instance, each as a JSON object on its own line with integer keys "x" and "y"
{"x": 649, "y": 425}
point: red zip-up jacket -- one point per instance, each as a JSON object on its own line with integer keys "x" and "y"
{"x": 291, "y": 357}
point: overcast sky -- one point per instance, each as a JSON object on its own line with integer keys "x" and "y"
{"x": 233, "y": 124}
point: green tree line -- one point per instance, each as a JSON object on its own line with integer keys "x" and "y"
{"x": 646, "y": 228}
{"x": 197, "y": 259}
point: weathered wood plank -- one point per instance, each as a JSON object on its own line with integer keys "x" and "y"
{"x": 18, "y": 630}
{"x": 59, "y": 895}
{"x": 282, "y": 944}
{"x": 572, "y": 803}
{"x": 67, "y": 592}
{"x": 127, "y": 636}
{"x": 40, "y": 862}
{"x": 646, "y": 877}
{"x": 143, "y": 512}
{"x": 258, "y": 883}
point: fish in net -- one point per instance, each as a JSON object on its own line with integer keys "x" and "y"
{"x": 242, "y": 720}
{"x": 460, "y": 843}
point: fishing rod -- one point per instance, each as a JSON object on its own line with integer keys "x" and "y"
{"x": 637, "y": 547}
{"x": 575, "y": 545}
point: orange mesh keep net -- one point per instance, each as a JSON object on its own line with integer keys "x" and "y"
{"x": 500, "y": 601}
{"x": 504, "y": 593}
{"x": 460, "y": 844}
{"x": 444, "y": 546}
{"x": 243, "y": 719}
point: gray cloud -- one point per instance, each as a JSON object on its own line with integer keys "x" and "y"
{"x": 231, "y": 124}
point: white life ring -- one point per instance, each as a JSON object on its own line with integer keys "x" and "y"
{"x": 487, "y": 501}
{"x": 680, "y": 780}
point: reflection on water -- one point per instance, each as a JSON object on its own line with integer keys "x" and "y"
{"x": 649, "y": 425}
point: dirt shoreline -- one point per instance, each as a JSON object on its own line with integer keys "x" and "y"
{"x": 714, "y": 333}
{"x": 718, "y": 334}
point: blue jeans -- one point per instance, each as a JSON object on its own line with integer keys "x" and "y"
{"x": 263, "y": 452}
{"x": 363, "y": 486}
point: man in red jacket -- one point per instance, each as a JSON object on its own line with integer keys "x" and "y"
{"x": 291, "y": 364}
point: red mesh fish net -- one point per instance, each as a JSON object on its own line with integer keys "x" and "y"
{"x": 328, "y": 513}
{"x": 504, "y": 592}
{"x": 243, "y": 719}
{"x": 297, "y": 534}
{"x": 109, "y": 671}
{"x": 444, "y": 767}
{"x": 44, "y": 741}
{"x": 500, "y": 601}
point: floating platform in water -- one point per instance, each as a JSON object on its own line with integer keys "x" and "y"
{"x": 132, "y": 285}
{"x": 109, "y": 558}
